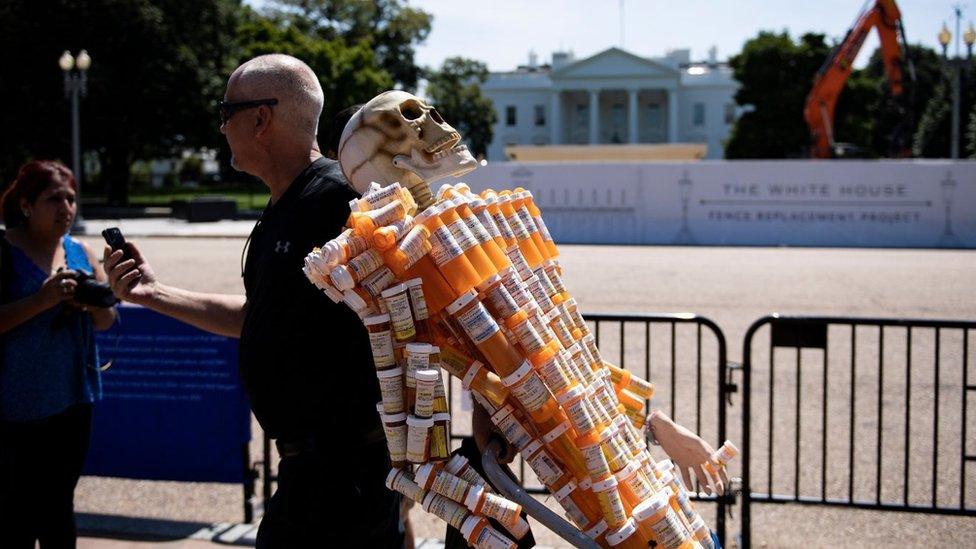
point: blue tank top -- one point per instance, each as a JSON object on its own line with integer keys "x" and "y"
{"x": 49, "y": 362}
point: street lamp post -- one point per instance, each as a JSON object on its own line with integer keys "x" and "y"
{"x": 956, "y": 63}
{"x": 76, "y": 86}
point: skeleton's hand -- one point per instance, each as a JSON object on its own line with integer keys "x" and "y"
{"x": 688, "y": 452}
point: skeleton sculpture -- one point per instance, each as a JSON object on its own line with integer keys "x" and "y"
{"x": 397, "y": 137}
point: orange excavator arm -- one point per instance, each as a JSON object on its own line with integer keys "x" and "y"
{"x": 829, "y": 82}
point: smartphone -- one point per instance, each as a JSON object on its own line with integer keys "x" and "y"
{"x": 113, "y": 237}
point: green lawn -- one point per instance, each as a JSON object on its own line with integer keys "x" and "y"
{"x": 246, "y": 199}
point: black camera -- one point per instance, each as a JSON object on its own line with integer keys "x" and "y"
{"x": 92, "y": 292}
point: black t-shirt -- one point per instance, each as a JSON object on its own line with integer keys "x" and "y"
{"x": 305, "y": 361}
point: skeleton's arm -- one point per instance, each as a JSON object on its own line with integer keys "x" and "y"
{"x": 688, "y": 452}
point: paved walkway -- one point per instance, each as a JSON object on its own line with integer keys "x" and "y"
{"x": 116, "y": 532}
{"x": 105, "y": 543}
{"x": 122, "y": 532}
{"x": 732, "y": 286}
{"x": 92, "y": 543}
{"x": 172, "y": 227}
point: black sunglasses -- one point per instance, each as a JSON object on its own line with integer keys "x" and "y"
{"x": 229, "y": 108}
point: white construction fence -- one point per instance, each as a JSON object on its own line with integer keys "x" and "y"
{"x": 911, "y": 203}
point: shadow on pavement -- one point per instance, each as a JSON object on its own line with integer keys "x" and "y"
{"x": 149, "y": 529}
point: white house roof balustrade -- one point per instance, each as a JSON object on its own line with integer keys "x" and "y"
{"x": 700, "y": 76}
{"x": 518, "y": 81}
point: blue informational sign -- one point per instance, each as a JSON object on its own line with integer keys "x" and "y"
{"x": 173, "y": 406}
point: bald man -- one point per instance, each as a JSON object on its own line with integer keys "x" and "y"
{"x": 304, "y": 360}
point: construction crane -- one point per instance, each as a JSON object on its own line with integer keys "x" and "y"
{"x": 829, "y": 82}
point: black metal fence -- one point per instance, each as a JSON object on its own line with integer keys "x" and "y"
{"x": 865, "y": 413}
{"x": 885, "y": 399}
{"x": 683, "y": 354}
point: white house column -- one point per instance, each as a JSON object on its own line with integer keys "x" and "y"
{"x": 555, "y": 118}
{"x": 594, "y": 117}
{"x": 672, "y": 116}
{"x": 632, "y": 115}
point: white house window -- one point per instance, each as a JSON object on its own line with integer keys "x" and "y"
{"x": 729, "y": 113}
{"x": 698, "y": 114}
{"x": 540, "y": 115}
{"x": 510, "y": 116}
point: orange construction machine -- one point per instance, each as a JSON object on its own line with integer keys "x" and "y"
{"x": 829, "y": 82}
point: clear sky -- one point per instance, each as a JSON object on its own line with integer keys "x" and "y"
{"x": 501, "y": 32}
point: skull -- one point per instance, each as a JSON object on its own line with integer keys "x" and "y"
{"x": 397, "y": 137}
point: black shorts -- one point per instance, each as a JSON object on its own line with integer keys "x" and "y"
{"x": 333, "y": 497}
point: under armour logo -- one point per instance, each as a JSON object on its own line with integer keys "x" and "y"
{"x": 282, "y": 247}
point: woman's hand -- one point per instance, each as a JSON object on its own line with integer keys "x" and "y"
{"x": 102, "y": 317}
{"x": 57, "y": 288}
{"x": 86, "y": 307}
{"x": 689, "y": 453}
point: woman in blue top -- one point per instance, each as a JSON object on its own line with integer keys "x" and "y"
{"x": 49, "y": 373}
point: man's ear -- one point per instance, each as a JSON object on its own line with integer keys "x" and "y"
{"x": 262, "y": 121}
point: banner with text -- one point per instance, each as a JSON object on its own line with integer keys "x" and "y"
{"x": 909, "y": 203}
{"x": 173, "y": 406}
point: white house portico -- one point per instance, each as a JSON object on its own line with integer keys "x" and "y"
{"x": 611, "y": 97}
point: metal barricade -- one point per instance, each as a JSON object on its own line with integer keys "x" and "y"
{"x": 887, "y": 395}
{"x": 683, "y": 354}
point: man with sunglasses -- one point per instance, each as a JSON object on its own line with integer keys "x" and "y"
{"x": 305, "y": 361}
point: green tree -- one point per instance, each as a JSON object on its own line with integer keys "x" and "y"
{"x": 971, "y": 132}
{"x": 158, "y": 68}
{"x": 775, "y": 74}
{"x": 880, "y": 124}
{"x": 455, "y": 89}
{"x": 931, "y": 138}
{"x": 934, "y": 133}
{"x": 391, "y": 27}
{"x": 856, "y": 113}
{"x": 349, "y": 74}
{"x": 896, "y": 120}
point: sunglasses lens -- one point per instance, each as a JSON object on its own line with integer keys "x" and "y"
{"x": 227, "y": 110}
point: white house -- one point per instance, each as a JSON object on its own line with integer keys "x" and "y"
{"x": 613, "y": 97}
